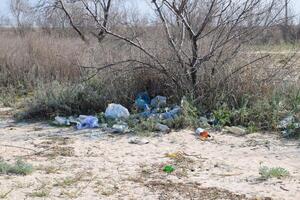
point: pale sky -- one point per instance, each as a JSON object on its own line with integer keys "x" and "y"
{"x": 4, "y": 6}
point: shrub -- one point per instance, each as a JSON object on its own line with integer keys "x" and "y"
{"x": 223, "y": 115}
{"x": 19, "y": 168}
{"x": 190, "y": 113}
{"x": 64, "y": 99}
{"x": 274, "y": 172}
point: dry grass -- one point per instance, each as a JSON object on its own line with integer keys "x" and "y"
{"x": 157, "y": 181}
{"x": 45, "y": 68}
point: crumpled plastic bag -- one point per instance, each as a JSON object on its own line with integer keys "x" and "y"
{"x": 172, "y": 113}
{"x": 61, "y": 121}
{"x": 116, "y": 111}
{"x": 85, "y": 122}
{"x": 159, "y": 102}
{"x": 142, "y": 101}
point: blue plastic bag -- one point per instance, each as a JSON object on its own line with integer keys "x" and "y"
{"x": 159, "y": 102}
{"x": 145, "y": 96}
{"x": 142, "y": 101}
{"x": 172, "y": 113}
{"x": 85, "y": 122}
{"x": 141, "y": 104}
{"x": 116, "y": 111}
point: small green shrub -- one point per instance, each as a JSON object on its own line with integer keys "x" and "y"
{"x": 274, "y": 172}
{"x": 179, "y": 122}
{"x": 40, "y": 193}
{"x": 145, "y": 125}
{"x": 19, "y": 168}
{"x": 252, "y": 128}
{"x": 64, "y": 99}
{"x": 4, "y": 167}
{"x": 190, "y": 114}
{"x": 223, "y": 115}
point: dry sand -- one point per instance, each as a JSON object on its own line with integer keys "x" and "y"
{"x": 90, "y": 164}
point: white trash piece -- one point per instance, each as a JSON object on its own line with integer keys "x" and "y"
{"x": 116, "y": 111}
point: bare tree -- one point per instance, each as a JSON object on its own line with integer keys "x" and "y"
{"x": 21, "y": 11}
{"x": 200, "y": 35}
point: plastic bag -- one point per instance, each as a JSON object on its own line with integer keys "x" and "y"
{"x": 159, "y": 101}
{"x": 85, "y": 122}
{"x": 116, "y": 111}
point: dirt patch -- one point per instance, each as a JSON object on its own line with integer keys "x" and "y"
{"x": 68, "y": 164}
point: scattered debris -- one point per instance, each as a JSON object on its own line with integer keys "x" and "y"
{"x": 162, "y": 128}
{"x": 120, "y": 128}
{"x": 202, "y": 133}
{"x": 199, "y": 131}
{"x": 82, "y": 122}
{"x": 287, "y": 121}
{"x": 289, "y": 126}
{"x": 236, "y": 130}
{"x": 142, "y": 101}
{"x": 168, "y": 169}
{"x": 159, "y": 102}
{"x": 61, "y": 121}
{"x": 85, "y": 122}
{"x": 116, "y": 111}
{"x": 172, "y": 114}
{"x": 137, "y": 140}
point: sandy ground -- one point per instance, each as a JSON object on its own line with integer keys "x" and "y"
{"x": 91, "y": 164}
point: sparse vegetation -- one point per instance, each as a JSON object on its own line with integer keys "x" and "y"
{"x": 273, "y": 172}
{"x": 64, "y": 99}
{"x": 40, "y": 193}
{"x": 60, "y": 74}
{"x": 19, "y": 168}
{"x": 232, "y": 63}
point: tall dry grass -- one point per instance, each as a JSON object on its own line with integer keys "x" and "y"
{"x": 32, "y": 62}
{"x": 26, "y": 61}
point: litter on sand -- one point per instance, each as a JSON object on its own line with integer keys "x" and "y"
{"x": 116, "y": 111}
{"x": 202, "y": 133}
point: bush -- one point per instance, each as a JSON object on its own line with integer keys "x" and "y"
{"x": 261, "y": 113}
{"x": 64, "y": 99}
{"x": 223, "y": 115}
{"x": 274, "y": 172}
{"x": 19, "y": 168}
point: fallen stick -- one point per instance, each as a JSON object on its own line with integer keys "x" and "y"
{"x": 284, "y": 188}
{"x": 18, "y": 147}
{"x": 38, "y": 152}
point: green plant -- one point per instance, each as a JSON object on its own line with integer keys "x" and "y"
{"x": 260, "y": 114}
{"x": 68, "y": 181}
{"x": 223, "y": 115}
{"x": 274, "y": 172}
{"x": 179, "y": 122}
{"x": 64, "y": 99}
{"x": 40, "y": 193}
{"x": 252, "y": 128}
{"x": 189, "y": 115}
{"x": 145, "y": 125}
{"x": 19, "y": 168}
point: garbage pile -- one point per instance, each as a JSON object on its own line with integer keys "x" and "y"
{"x": 82, "y": 122}
{"x": 156, "y": 107}
{"x": 116, "y": 117}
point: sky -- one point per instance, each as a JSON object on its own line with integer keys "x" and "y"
{"x": 143, "y": 7}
